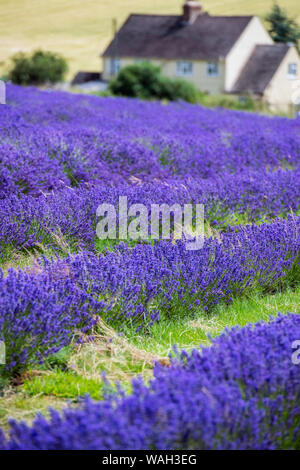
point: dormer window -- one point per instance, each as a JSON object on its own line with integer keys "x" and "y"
{"x": 212, "y": 69}
{"x": 292, "y": 70}
{"x": 184, "y": 68}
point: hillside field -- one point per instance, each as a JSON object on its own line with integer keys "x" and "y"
{"x": 80, "y": 30}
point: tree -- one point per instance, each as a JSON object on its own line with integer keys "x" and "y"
{"x": 39, "y": 68}
{"x": 281, "y": 27}
{"x": 145, "y": 81}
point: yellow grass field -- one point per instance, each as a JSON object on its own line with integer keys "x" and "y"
{"x": 80, "y": 29}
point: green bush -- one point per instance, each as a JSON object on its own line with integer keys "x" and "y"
{"x": 145, "y": 81}
{"x": 37, "y": 69}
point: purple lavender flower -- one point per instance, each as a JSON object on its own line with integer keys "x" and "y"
{"x": 243, "y": 392}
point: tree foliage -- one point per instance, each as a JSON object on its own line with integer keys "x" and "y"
{"x": 282, "y": 28}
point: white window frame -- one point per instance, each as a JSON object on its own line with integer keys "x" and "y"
{"x": 212, "y": 69}
{"x": 184, "y": 68}
{"x": 114, "y": 66}
{"x": 292, "y": 70}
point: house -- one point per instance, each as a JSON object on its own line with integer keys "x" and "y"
{"x": 218, "y": 54}
{"x": 271, "y": 73}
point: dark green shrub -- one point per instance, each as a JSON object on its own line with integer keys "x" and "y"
{"x": 37, "y": 69}
{"x": 177, "y": 89}
{"x": 145, "y": 81}
{"x": 64, "y": 385}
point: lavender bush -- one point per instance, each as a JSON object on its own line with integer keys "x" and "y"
{"x": 107, "y": 140}
{"x": 40, "y": 310}
{"x": 243, "y": 392}
{"x": 68, "y": 139}
{"x": 62, "y": 155}
{"x": 39, "y": 316}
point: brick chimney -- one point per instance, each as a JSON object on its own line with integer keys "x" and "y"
{"x": 191, "y": 10}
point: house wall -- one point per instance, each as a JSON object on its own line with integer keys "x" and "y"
{"x": 199, "y": 78}
{"x": 254, "y": 34}
{"x": 283, "y": 91}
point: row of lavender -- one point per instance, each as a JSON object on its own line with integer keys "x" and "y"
{"x": 243, "y": 392}
{"x": 44, "y": 308}
{"x": 60, "y": 157}
{"x": 63, "y": 155}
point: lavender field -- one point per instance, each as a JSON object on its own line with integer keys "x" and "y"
{"x": 201, "y": 343}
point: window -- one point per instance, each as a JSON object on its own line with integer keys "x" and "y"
{"x": 292, "y": 70}
{"x": 212, "y": 69}
{"x": 184, "y": 68}
{"x": 115, "y": 65}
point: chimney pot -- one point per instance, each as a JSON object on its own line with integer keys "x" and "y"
{"x": 191, "y": 10}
